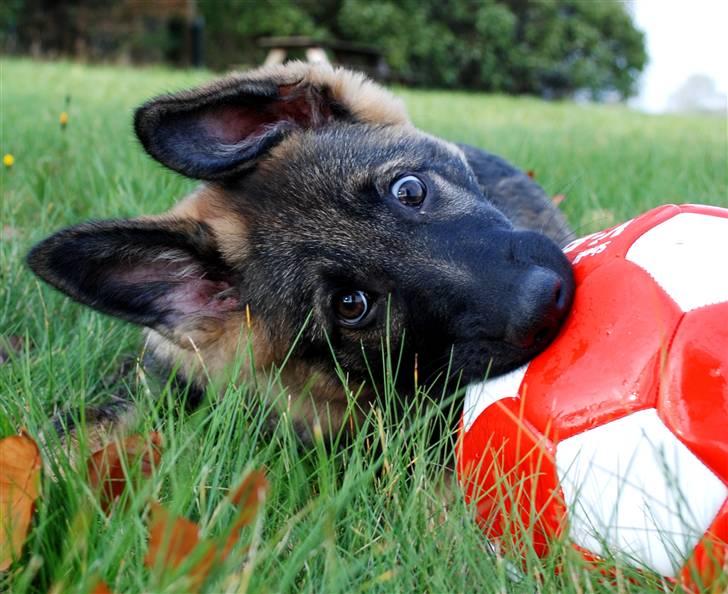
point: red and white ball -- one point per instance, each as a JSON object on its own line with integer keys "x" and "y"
{"x": 617, "y": 435}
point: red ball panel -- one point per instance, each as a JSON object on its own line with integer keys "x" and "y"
{"x": 693, "y": 398}
{"x": 604, "y": 363}
{"x": 707, "y": 563}
{"x": 595, "y": 250}
{"x": 505, "y": 466}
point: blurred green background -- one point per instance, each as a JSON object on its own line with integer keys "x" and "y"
{"x": 550, "y": 48}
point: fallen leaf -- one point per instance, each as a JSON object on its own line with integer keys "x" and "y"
{"x": 557, "y": 199}
{"x": 172, "y": 540}
{"x": 106, "y": 467}
{"x": 247, "y": 497}
{"x": 101, "y": 588}
{"x": 19, "y": 485}
{"x": 10, "y": 344}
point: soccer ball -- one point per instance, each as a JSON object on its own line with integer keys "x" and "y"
{"x": 616, "y": 437}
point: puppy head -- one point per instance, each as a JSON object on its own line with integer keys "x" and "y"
{"x": 334, "y": 223}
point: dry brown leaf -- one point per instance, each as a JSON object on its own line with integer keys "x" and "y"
{"x": 19, "y": 485}
{"x": 101, "y": 588}
{"x": 248, "y": 497}
{"x": 557, "y": 199}
{"x": 106, "y": 467}
{"x": 172, "y": 540}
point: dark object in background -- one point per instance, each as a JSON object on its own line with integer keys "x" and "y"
{"x": 186, "y": 41}
{"x": 197, "y": 30}
{"x": 137, "y": 31}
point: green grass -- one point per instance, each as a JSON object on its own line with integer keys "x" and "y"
{"x": 368, "y": 518}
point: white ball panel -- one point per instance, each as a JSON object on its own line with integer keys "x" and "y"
{"x": 480, "y": 396}
{"x": 686, "y": 257}
{"x": 631, "y": 487}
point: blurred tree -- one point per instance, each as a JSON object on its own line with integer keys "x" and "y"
{"x": 566, "y": 45}
{"x": 232, "y": 28}
{"x": 10, "y": 11}
{"x": 550, "y": 48}
{"x": 545, "y": 47}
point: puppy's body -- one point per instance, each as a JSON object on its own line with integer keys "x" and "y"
{"x": 517, "y": 196}
{"x": 325, "y": 222}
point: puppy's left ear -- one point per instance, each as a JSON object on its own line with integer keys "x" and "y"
{"x": 164, "y": 274}
{"x": 218, "y": 131}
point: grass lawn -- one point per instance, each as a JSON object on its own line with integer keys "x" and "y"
{"x": 351, "y": 521}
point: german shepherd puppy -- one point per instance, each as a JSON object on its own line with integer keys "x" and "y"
{"x": 327, "y": 220}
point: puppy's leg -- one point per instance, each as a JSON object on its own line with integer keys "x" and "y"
{"x": 94, "y": 427}
{"x": 75, "y": 434}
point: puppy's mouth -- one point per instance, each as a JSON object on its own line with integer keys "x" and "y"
{"x": 533, "y": 326}
{"x": 474, "y": 362}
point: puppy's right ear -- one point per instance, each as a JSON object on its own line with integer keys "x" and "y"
{"x": 220, "y": 130}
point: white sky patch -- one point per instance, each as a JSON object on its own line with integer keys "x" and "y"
{"x": 684, "y": 37}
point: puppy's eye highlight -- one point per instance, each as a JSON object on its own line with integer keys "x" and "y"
{"x": 409, "y": 190}
{"x": 351, "y": 307}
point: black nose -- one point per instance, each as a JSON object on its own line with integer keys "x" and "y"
{"x": 540, "y": 307}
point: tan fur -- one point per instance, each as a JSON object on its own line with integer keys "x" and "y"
{"x": 99, "y": 431}
{"x": 313, "y": 397}
{"x": 212, "y": 345}
{"x": 366, "y": 100}
{"x": 318, "y": 398}
{"x": 78, "y": 442}
{"x": 216, "y": 348}
{"x": 227, "y": 350}
{"x": 208, "y": 204}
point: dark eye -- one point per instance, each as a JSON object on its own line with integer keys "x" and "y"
{"x": 351, "y": 306}
{"x": 409, "y": 190}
